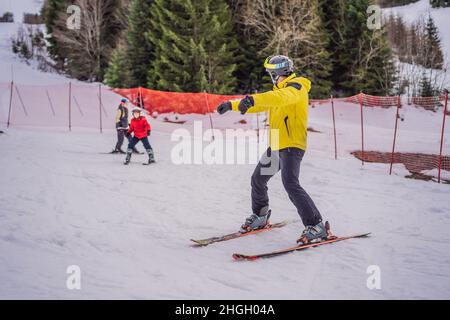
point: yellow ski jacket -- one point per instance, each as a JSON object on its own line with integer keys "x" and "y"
{"x": 287, "y": 105}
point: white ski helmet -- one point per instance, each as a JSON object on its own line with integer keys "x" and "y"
{"x": 136, "y": 109}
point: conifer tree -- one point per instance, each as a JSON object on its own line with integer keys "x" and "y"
{"x": 362, "y": 58}
{"x": 195, "y": 47}
{"x": 433, "y": 53}
{"x": 250, "y": 71}
{"x": 140, "y": 51}
{"x": 118, "y": 73}
{"x": 426, "y": 88}
{"x": 50, "y": 11}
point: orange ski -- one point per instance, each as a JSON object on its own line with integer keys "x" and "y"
{"x": 332, "y": 239}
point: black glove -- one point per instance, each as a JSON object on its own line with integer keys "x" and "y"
{"x": 127, "y": 134}
{"x": 224, "y": 107}
{"x": 148, "y": 133}
{"x": 246, "y": 104}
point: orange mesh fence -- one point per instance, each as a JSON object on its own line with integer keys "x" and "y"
{"x": 419, "y": 165}
{"x": 433, "y": 139}
{"x": 428, "y": 103}
{"x": 376, "y": 101}
{"x": 177, "y": 102}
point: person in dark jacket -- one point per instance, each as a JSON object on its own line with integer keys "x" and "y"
{"x": 141, "y": 129}
{"x": 122, "y": 126}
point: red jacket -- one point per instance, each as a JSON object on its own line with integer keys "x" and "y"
{"x": 140, "y": 127}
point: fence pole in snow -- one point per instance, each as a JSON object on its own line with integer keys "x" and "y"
{"x": 100, "y": 106}
{"x": 209, "y": 113}
{"x": 397, "y": 115}
{"x": 334, "y": 128}
{"x": 362, "y": 127}
{"x": 442, "y": 136}
{"x": 10, "y": 104}
{"x": 70, "y": 106}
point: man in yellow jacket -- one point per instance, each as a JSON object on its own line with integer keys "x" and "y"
{"x": 287, "y": 105}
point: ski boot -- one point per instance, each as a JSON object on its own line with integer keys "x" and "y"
{"x": 317, "y": 233}
{"x": 257, "y": 221}
{"x": 151, "y": 157}
{"x": 128, "y": 158}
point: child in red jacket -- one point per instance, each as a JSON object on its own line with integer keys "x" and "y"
{"x": 141, "y": 129}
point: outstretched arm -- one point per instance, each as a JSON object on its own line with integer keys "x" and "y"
{"x": 260, "y": 102}
{"x": 270, "y": 99}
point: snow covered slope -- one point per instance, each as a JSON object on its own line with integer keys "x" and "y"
{"x": 11, "y": 67}
{"x": 441, "y": 17}
{"x": 128, "y": 227}
{"x": 64, "y": 203}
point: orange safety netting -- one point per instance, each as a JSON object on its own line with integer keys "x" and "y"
{"x": 177, "y": 102}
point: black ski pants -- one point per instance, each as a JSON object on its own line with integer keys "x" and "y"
{"x": 120, "y": 138}
{"x": 135, "y": 140}
{"x": 288, "y": 161}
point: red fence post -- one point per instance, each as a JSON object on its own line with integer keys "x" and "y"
{"x": 395, "y": 133}
{"x": 10, "y": 104}
{"x": 442, "y": 136}
{"x": 334, "y": 128}
{"x": 362, "y": 127}
{"x": 70, "y": 106}
{"x": 100, "y": 105}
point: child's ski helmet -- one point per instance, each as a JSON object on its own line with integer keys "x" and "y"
{"x": 124, "y": 100}
{"x": 278, "y": 66}
{"x": 136, "y": 109}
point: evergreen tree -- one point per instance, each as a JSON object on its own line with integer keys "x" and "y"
{"x": 118, "y": 73}
{"x": 195, "y": 47}
{"x": 250, "y": 70}
{"x": 140, "y": 51}
{"x": 50, "y": 11}
{"x": 317, "y": 65}
{"x": 426, "y": 88}
{"x": 433, "y": 53}
{"x": 362, "y": 58}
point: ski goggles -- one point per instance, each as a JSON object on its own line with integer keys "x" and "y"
{"x": 272, "y": 68}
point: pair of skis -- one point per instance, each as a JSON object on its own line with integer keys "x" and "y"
{"x": 241, "y": 257}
